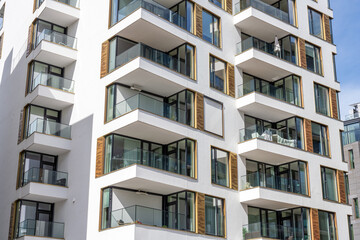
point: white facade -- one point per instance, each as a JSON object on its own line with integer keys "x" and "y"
{"x": 78, "y": 205}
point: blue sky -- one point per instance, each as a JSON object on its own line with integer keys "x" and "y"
{"x": 346, "y": 28}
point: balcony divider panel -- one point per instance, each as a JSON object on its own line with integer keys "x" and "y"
{"x": 12, "y": 221}
{"x": 21, "y": 126}
{"x": 233, "y": 172}
{"x": 30, "y": 40}
{"x": 100, "y": 156}
{"x": 104, "y": 59}
{"x": 302, "y": 53}
{"x": 333, "y": 104}
{"x": 341, "y": 186}
{"x": 200, "y": 213}
{"x": 229, "y": 6}
{"x": 327, "y": 28}
{"x": 315, "y": 227}
{"x": 199, "y": 108}
{"x": 198, "y": 20}
{"x": 231, "y": 79}
{"x": 308, "y": 136}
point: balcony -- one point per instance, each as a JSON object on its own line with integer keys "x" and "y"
{"x": 351, "y": 136}
{"x": 271, "y": 230}
{"x": 49, "y": 128}
{"x": 263, "y": 20}
{"x": 143, "y": 18}
{"x": 46, "y": 176}
{"x": 40, "y": 229}
{"x": 52, "y": 91}
{"x": 257, "y": 57}
{"x": 54, "y": 48}
{"x": 61, "y": 12}
{"x": 352, "y": 116}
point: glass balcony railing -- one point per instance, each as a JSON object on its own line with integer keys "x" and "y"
{"x": 56, "y": 37}
{"x": 271, "y": 230}
{"x": 53, "y": 81}
{"x": 258, "y": 179}
{"x": 352, "y": 116}
{"x": 269, "y": 134}
{"x": 155, "y": 8}
{"x": 45, "y": 176}
{"x": 148, "y": 216}
{"x": 151, "y": 159}
{"x": 49, "y": 127}
{"x": 264, "y": 7}
{"x": 162, "y": 58}
{"x": 280, "y": 93}
{"x": 146, "y": 103}
{"x": 351, "y": 136}
{"x": 73, "y": 3}
{"x": 31, "y": 227}
{"x": 253, "y": 42}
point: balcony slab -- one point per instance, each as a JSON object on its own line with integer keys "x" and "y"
{"x": 43, "y": 192}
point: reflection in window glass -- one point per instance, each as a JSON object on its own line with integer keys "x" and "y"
{"x": 322, "y": 99}
{"x": 313, "y": 58}
{"x": 218, "y": 74}
{"x": 210, "y": 28}
{"x": 219, "y": 167}
{"x": 214, "y": 216}
{"x": 320, "y": 139}
{"x": 329, "y": 184}
{"x": 315, "y": 23}
{"x": 327, "y": 225}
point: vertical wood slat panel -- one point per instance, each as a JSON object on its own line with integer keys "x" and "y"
{"x": 18, "y": 181}
{"x": 200, "y": 212}
{"x": 12, "y": 221}
{"x": 315, "y": 228}
{"x": 327, "y": 28}
{"x": 229, "y": 6}
{"x": 198, "y": 20}
{"x": 302, "y": 53}
{"x": 34, "y": 7}
{"x": 308, "y": 136}
{"x": 341, "y": 186}
{"x": 21, "y": 126}
{"x": 100, "y": 155}
{"x": 231, "y": 79}
{"x": 104, "y": 59}
{"x": 199, "y": 108}
{"x": 333, "y": 104}
{"x": 29, "y": 40}
{"x": 233, "y": 172}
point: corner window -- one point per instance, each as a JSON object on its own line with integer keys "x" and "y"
{"x": 211, "y": 28}
{"x": 320, "y": 139}
{"x": 220, "y": 167}
{"x": 313, "y": 58}
{"x": 329, "y": 184}
{"x": 214, "y": 216}
{"x": 334, "y": 67}
{"x": 351, "y": 159}
{"x": 315, "y": 23}
{"x": 218, "y": 78}
{"x": 327, "y": 225}
{"x": 322, "y": 99}
{"x": 356, "y": 208}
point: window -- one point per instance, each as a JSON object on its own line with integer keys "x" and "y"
{"x": 220, "y": 167}
{"x": 320, "y": 139}
{"x": 351, "y": 229}
{"x": 210, "y": 28}
{"x": 329, "y": 184}
{"x": 214, "y": 216}
{"x": 329, "y": 4}
{"x": 1, "y": 44}
{"x": 331, "y": 30}
{"x": 347, "y": 187}
{"x": 218, "y": 79}
{"x": 219, "y": 3}
{"x": 334, "y": 66}
{"x": 213, "y": 116}
{"x": 351, "y": 159}
{"x": 322, "y": 99}
{"x": 315, "y": 23}
{"x": 313, "y": 58}
{"x": 2, "y": 10}
{"x": 327, "y": 225}
{"x": 289, "y": 49}
{"x": 356, "y": 208}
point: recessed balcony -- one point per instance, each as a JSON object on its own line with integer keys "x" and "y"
{"x": 61, "y": 12}
{"x": 31, "y": 229}
{"x": 258, "y": 58}
{"x": 54, "y": 48}
{"x": 262, "y": 20}
{"x": 52, "y": 91}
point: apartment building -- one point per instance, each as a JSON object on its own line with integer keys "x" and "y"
{"x": 170, "y": 119}
{"x": 351, "y": 140}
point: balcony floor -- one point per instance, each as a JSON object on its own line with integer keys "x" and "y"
{"x": 58, "y": 13}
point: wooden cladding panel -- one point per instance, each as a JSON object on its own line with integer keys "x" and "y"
{"x": 198, "y": 20}
{"x": 12, "y": 221}
{"x": 327, "y": 28}
{"x": 341, "y": 183}
{"x": 308, "y": 136}
{"x": 29, "y": 40}
{"x": 104, "y": 59}
{"x": 200, "y": 212}
{"x": 100, "y": 155}
{"x": 302, "y": 53}
{"x": 231, "y": 79}
{"x": 315, "y": 228}
{"x": 333, "y": 104}
{"x": 21, "y": 126}
{"x": 229, "y": 6}
{"x": 233, "y": 171}
{"x": 199, "y": 105}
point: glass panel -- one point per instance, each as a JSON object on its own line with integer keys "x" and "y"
{"x": 315, "y": 23}
{"x": 313, "y": 59}
{"x": 214, "y": 216}
{"x": 329, "y": 184}
{"x": 322, "y": 99}
{"x": 327, "y": 226}
{"x": 320, "y": 139}
{"x": 218, "y": 74}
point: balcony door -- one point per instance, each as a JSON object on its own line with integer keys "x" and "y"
{"x": 42, "y": 120}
